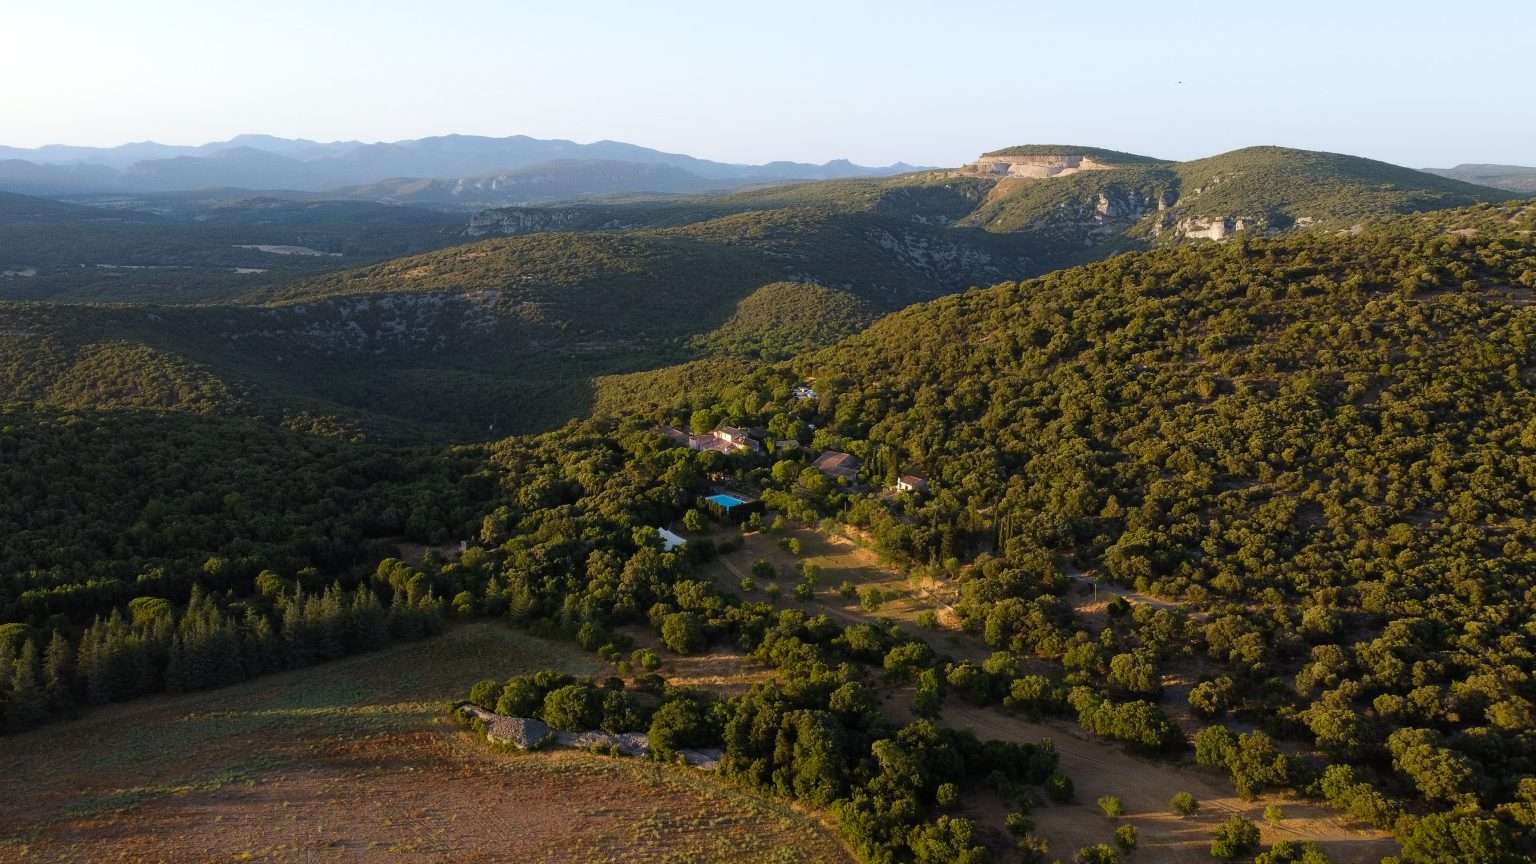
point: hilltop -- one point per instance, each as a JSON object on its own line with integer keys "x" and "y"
{"x": 1512, "y": 178}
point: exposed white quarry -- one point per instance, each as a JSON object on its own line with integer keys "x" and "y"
{"x": 1036, "y": 167}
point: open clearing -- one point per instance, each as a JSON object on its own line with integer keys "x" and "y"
{"x": 1096, "y": 767}
{"x": 355, "y": 761}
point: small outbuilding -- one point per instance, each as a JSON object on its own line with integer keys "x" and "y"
{"x": 835, "y": 464}
{"x": 669, "y": 540}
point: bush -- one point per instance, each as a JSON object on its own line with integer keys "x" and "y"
{"x": 1184, "y": 804}
{"x": 1125, "y": 837}
{"x": 1058, "y": 787}
{"x": 1292, "y": 852}
{"x": 1111, "y": 806}
{"x": 1235, "y": 837}
{"x": 485, "y": 693}
{"x": 1020, "y": 823}
{"x": 1099, "y": 853}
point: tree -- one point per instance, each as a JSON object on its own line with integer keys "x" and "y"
{"x": 679, "y": 723}
{"x": 1446, "y": 838}
{"x": 1135, "y": 673}
{"x": 573, "y": 708}
{"x": 946, "y": 840}
{"x": 693, "y": 521}
{"x": 682, "y": 632}
{"x": 1292, "y": 852}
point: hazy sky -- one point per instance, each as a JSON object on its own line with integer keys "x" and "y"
{"x": 1416, "y": 83}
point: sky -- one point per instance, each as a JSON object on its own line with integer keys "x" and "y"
{"x": 935, "y": 83}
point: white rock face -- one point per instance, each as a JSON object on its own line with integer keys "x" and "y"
{"x": 1036, "y": 167}
{"x": 1214, "y": 228}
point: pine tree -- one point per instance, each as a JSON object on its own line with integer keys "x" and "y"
{"x": 28, "y": 705}
{"x": 59, "y": 673}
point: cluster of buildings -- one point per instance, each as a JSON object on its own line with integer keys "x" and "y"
{"x": 726, "y": 439}
{"x": 832, "y": 463}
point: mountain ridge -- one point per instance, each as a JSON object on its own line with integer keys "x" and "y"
{"x": 311, "y": 166}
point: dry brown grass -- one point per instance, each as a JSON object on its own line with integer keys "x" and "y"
{"x": 353, "y": 761}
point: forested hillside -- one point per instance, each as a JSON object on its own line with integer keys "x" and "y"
{"x": 590, "y": 306}
{"x": 1320, "y": 448}
{"x": 196, "y": 248}
{"x": 1316, "y": 452}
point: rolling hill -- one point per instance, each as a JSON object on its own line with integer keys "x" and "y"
{"x": 1512, "y": 178}
{"x": 522, "y": 331}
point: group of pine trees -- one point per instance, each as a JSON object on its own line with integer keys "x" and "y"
{"x": 207, "y": 643}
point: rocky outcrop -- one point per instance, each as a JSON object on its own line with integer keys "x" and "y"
{"x": 951, "y": 264}
{"x": 524, "y": 733}
{"x": 1035, "y": 167}
{"x": 528, "y": 733}
{"x": 525, "y": 220}
{"x": 1210, "y": 228}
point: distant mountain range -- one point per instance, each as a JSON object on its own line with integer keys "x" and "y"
{"x": 498, "y": 171}
{"x": 1515, "y": 178}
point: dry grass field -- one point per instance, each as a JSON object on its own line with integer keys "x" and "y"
{"x": 353, "y": 761}
{"x": 1096, "y": 767}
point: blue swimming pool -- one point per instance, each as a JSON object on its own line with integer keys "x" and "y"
{"x": 724, "y": 500}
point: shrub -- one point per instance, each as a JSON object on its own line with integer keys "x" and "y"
{"x": 1111, "y": 806}
{"x": 1184, "y": 804}
{"x": 485, "y": 693}
{"x": 1234, "y": 838}
{"x": 1099, "y": 853}
{"x": 1125, "y": 837}
{"x": 1058, "y": 787}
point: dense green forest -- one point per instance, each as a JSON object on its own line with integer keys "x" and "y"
{"x": 1319, "y": 448}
